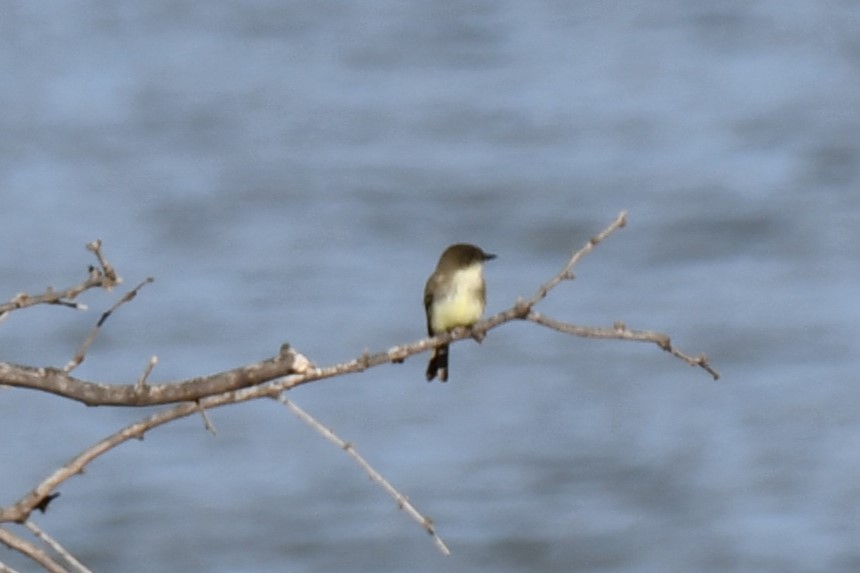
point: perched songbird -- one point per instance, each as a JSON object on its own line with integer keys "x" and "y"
{"x": 455, "y": 295}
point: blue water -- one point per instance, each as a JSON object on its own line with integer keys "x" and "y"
{"x": 290, "y": 171}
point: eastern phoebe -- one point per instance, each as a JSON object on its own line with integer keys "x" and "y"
{"x": 455, "y": 295}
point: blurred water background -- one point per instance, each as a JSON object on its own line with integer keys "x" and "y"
{"x": 290, "y": 171}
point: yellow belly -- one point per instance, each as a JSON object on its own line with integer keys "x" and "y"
{"x": 465, "y": 309}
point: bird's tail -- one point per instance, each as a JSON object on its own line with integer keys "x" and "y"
{"x": 438, "y": 364}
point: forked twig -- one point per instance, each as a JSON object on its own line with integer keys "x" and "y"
{"x": 103, "y": 276}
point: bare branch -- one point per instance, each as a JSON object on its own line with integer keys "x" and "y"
{"x": 619, "y": 331}
{"x": 55, "y": 381}
{"x": 402, "y": 501}
{"x": 269, "y": 378}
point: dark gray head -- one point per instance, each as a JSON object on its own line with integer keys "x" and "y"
{"x": 463, "y": 255}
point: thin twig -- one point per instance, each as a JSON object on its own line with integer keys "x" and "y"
{"x": 81, "y": 354}
{"x": 566, "y": 273}
{"x": 53, "y": 544}
{"x": 402, "y": 501}
{"x": 141, "y": 382}
{"x": 207, "y": 423}
{"x": 104, "y": 276}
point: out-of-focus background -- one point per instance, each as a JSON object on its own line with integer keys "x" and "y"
{"x": 290, "y": 172}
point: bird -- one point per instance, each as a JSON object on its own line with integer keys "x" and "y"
{"x": 454, "y": 296}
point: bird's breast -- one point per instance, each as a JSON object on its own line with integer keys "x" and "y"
{"x": 462, "y": 304}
